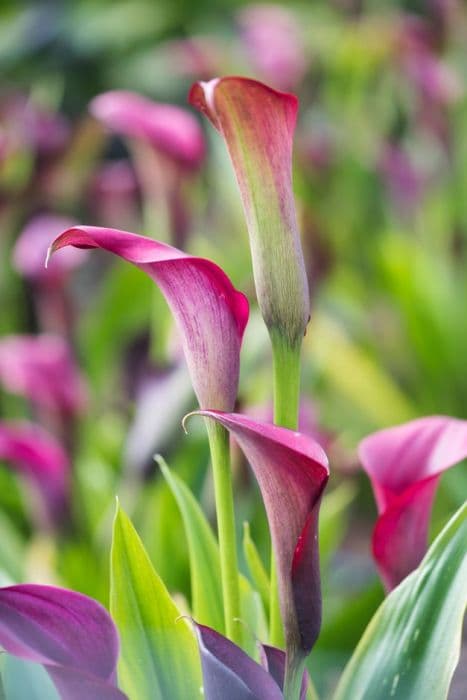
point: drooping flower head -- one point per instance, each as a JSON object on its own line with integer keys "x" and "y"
{"x": 211, "y": 314}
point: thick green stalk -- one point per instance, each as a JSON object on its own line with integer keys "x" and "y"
{"x": 286, "y": 367}
{"x": 220, "y": 457}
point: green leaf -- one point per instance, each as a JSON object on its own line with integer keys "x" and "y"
{"x": 333, "y": 518}
{"x": 255, "y": 566}
{"x": 411, "y": 647}
{"x": 206, "y": 591}
{"x": 159, "y": 654}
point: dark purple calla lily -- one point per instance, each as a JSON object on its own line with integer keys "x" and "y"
{"x": 38, "y": 455}
{"x": 210, "y": 312}
{"x": 292, "y": 472}
{"x": 72, "y": 635}
{"x": 229, "y": 673}
{"x": 404, "y": 464}
{"x": 42, "y": 369}
{"x": 274, "y": 661}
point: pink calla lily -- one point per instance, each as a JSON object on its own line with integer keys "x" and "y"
{"x": 38, "y": 455}
{"x": 31, "y": 248}
{"x": 210, "y": 312}
{"x": 169, "y": 129}
{"x": 405, "y": 464}
{"x": 258, "y": 125}
{"x": 292, "y": 472}
{"x": 71, "y": 635}
{"x": 41, "y": 368}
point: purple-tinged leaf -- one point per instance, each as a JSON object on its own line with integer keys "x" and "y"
{"x": 210, "y": 312}
{"x": 42, "y": 369}
{"x": 404, "y": 464}
{"x": 72, "y": 635}
{"x": 229, "y": 673}
{"x": 292, "y": 472}
{"x": 38, "y": 455}
{"x": 167, "y": 128}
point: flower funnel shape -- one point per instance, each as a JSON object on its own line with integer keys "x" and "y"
{"x": 404, "y": 464}
{"x": 41, "y": 368}
{"x": 211, "y": 314}
{"x": 38, "y": 455}
{"x": 231, "y": 674}
{"x": 72, "y": 635}
{"x": 292, "y": 471}
{"x": 169, "y": 129}
{"x": 258, "y": 124}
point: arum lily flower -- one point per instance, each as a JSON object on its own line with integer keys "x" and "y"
{"x": 210, "y": 312}
{"x": 71, "y": 635}
{"x": 274, "y": 44}
{"x": 41, "y": 369}
{"x": 31, "y": 248}
{"x": 38, "y": 455}
{"x": 166, "y": 142}
{"x": 292, "y": 472}
{"x": 258, "y": 124}
{"x": 405, "y": 464}
{"x": 229, "y": 673}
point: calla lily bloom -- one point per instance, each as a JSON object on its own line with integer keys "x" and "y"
{"x": 405, "y": 464}
{"x": 258, "y": 124}
{"x": 292, "y": 472}
{"x": 38, "y": 455}
{"x": 71, "y": 635}
{"x": 166, "y": 144}
{"x": 169, "y": 129}
{"x": 210, "y": 312}
{"x": 42, "y": 369}
{"x": 229, "y": 673}
{"x": 31, "y": 248}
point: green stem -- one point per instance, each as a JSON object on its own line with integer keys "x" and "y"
{"x": 293, "y": 678}
{"x": 286, "y": 368}
{"x": 220, "y": 457}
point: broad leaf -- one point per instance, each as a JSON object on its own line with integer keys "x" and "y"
{"x": 159, "y": 658}
{"x": 206, "y": 590}
{"x": 411, "y": 647}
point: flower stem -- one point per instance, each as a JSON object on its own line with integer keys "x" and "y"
{"x": 286, "y": 368}
{"x": 293, "y": 678}
{"x": 220, "y": 457}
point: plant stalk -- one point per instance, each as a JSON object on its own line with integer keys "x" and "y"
{"x": 220, "y": 457}
{"x": 286, "y": 388}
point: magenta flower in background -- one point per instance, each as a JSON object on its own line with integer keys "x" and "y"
{"x": 169, "y": 129}
{"x": 274, "y": 44}
{"x": 71, "y": 635}
{"x": 167, "y": 146}
{"x": 31, "y": 249}
{"x": 292, "y": 472}
{"x": 41, "y": 368}
{"x": 405, "y": 464}
{"x": 39, "y": 456}
{"x": 404, "y": 181}
{"x": 211, "y": 314}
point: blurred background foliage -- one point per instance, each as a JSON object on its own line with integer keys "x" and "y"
{"x": 380, "y": 173}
